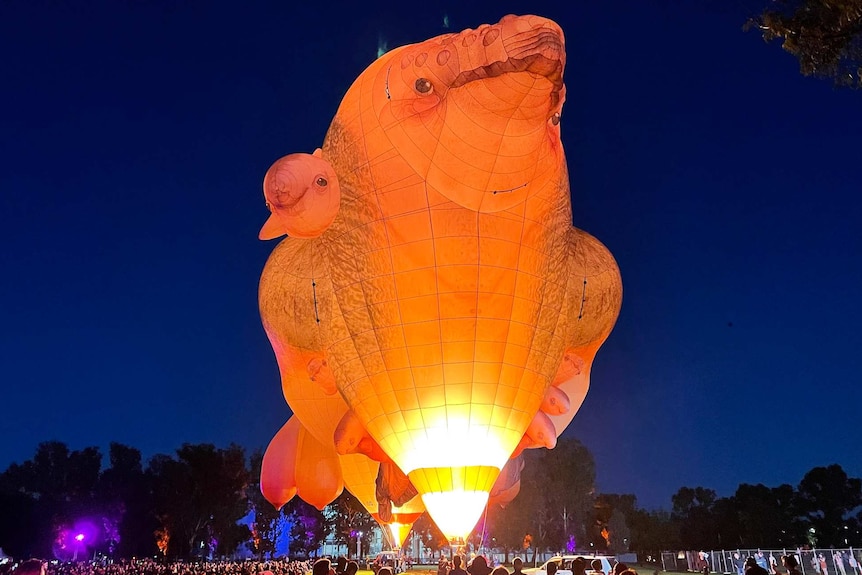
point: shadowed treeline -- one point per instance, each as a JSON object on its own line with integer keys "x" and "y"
{"x": 65, "y": 504}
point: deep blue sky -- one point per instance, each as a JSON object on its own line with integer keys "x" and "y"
{"x": 134, "y": 137}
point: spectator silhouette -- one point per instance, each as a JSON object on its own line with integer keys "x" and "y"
{"x": 30, "y": 567}
{"x": 790, "y": 563}
{"x": 596, "y": 565}
{"x": 479, "y": 566}
{"x": 456, "y": 566}
{"x": 752, "y": 567}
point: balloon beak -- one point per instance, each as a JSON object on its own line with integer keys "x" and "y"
{"x": 271, "y": 229}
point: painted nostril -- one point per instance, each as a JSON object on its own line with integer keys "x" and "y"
{"x": 469, "y": 39}
{"x": 420, "y": 59}
{"x": 491, "y": 36}
{"x": 443, "y": 57}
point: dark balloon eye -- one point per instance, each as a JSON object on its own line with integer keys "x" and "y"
{"x": 423, "y": 86}
{"x": 321, "y": 182}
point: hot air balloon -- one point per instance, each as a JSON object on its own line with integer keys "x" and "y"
{"x": 296, "y": 463}
{"x": 449, "y": 304}
{"x": 360, "y": 478}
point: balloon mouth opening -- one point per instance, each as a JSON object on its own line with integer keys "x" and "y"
{"x": 455, "y": 497}
{"x": 540, "y": 51}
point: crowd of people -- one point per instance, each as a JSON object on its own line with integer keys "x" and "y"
{"x": 152, "y": 567}
{"x": 342, "y": 566}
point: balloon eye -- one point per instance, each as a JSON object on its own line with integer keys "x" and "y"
{"x": 423, "y": 86}
{"x": 321, "y": 181}
{"x": 268, "y": 206}
{"x": 555, "y": 119}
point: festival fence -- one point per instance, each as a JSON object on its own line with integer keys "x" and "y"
{"x": 846, "y": 561}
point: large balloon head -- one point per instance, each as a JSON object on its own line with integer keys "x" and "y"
{"x": 488, "y": 102}
{"x": 302, "y": 194}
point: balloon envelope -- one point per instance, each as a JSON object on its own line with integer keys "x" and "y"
{"x": 278, "y": 469}
{"x": 450, "y": 291}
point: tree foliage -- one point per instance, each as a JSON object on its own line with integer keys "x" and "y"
{"x": 201, "y": 493}
{"x": 827, "y": 497}
{"x": 308, "y": 527}
{"x": 824, "y": 35}
{"x": 768, "y": 516}
{"x": 348, "y": 518}
{"x": 194, "y": 498}
{"x": 556, "y": 500}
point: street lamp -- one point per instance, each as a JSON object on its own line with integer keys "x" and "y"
{"x": 359, "y": 545}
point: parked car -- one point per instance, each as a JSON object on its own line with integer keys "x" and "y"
{"x": 564, "y": 564}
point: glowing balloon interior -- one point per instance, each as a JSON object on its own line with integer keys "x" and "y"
{"x": 434, "y": 308}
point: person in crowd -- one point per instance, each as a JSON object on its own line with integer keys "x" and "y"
{"x": 739, "y": 563}
{"x": 500, "y": 570}
{"x": 596, "y": 567}
{"x": 456, "y": 566}
{"x": 838, "y": 558}
{"x": 551, "y": 569}
{"x": 384, "y": 571}
{"x": 790, "y": 563}
{"x": 579, "y": 566}
{"x": 443, "y": 566}
{"x": 351, "y": 568}
{"x": 479, "y": 566}
{"x": 30, "y": 567}
{"x": 517, "y": 566}
{"x": 752, "y": 567}
{"x": 340, "y": 565}
{"x": 629, "y": 571}
{"x": 761, "y": 560}
{"x": 619, "y": 567}
{"x": 322, "y": 567}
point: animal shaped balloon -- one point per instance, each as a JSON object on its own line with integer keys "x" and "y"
{"x": 448, "y": 314}
{"x": 296, "y": 463}
{"x": 302, "y": 193}
{"x": 360, "y": 478}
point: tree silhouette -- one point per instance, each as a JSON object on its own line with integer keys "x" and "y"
{"x": 827, "y": 497}
{"x": 824, "y": 35}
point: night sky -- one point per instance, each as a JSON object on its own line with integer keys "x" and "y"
{"x": 134, "y": 137}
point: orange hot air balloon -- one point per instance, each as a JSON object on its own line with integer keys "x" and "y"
{"x": 453, "y": 288}
{"x": 360, "y": 478}
{"x": 296, "y": 307}
{"x": 295, "y": 463}
{"x": 318, "y": 473}
{"x": 402, "y": 521}
{"x": 589, "y": 323}
{"x": 295, "y": 299}
{"x": 278, "y": 468}
{"x": 302, "y": 192}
